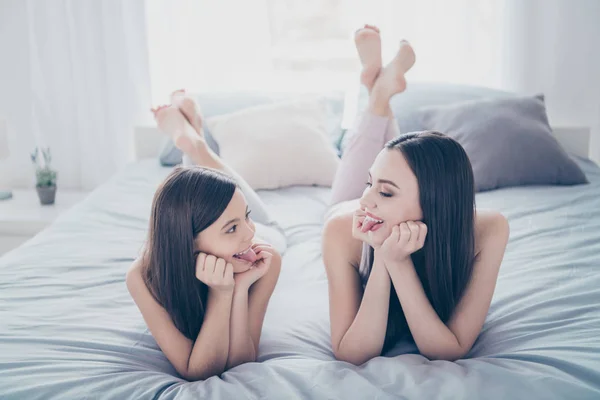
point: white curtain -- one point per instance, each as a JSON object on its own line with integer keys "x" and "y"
{"x": 553, "y": 47}
{"x": 75, "y": 78}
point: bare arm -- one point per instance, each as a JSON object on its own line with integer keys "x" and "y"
{"x": 358, "y": 326}
{"x": 248, "y": 313}
{"x": 241, "y": 347}
{"x": 201, "y": 359}
{"x": 434, "y": 339}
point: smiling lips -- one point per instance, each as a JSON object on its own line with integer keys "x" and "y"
{"x": 247, "y": 255}
{"x": 371, "y": 223}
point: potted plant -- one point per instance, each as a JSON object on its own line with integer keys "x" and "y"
{"x": 45, "y": 175}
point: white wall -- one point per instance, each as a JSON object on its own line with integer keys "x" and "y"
{"x": 553, "y": 47}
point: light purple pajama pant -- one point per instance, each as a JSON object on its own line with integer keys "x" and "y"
{"x": 367, "y": 139}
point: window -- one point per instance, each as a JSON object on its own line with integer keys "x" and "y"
{"x": 306, "y": 45}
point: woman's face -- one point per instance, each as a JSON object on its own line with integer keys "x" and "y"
{"x": 391, "y": 195}
{"x": 231, "y": 234}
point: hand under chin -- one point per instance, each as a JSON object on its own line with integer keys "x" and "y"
{"x": 376, "y": 239}
{"x": 373, "y": 238}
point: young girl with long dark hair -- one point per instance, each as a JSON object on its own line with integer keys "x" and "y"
{"x": 204, "y": 279}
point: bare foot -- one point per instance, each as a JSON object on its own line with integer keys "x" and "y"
{"x": 189, "y": 108}
{"x": 368, "y": 45}
{"x": 391, "y": 78}
{"x": 172, "y": 122}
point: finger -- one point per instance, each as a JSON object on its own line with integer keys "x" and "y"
{"x": 261, "y": 270}
{"x": 359, "y": 224}
{"x": 262, "y": 246}
{"x": 422, "y": 234}
{"x": 268, "y": 249}
{"x": 404, "y": 233}
{"x": 359, "y": 216}
{"x": 264, "y": 263}
{"x": 200, "y": 262}
{"x": 414, "y": 231}
{"x": 209, "y": 264}
{"x": 264, "y": 257}
{"x": 220, "y": 268}
{"x": 394, "y": 235}
{"x": 228, "y": 275}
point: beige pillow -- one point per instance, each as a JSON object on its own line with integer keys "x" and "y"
{"x": 278, "y": 144}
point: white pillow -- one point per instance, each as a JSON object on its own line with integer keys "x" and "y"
{"x": 278, "y": 144}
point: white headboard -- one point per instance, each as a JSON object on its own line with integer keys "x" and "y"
{"x": 576, "y": 140}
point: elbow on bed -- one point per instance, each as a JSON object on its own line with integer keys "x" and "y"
{"x": 239, "y": 361}
{"x": 351, "y": 357}
{"x": 200, "y": 375}
{"x": 445, "y": 354}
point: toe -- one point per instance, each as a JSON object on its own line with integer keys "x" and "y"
{"x": 177, "y": 94}
{"x": 364, "y": 34}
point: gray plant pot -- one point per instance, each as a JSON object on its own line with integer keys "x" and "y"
{"x": 46, "y": 194}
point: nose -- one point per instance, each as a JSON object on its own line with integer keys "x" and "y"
{"x": 367, "y": 200}
{"x": 249, "y": 231}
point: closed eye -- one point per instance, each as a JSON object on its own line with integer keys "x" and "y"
{"x": 382, "y": 194}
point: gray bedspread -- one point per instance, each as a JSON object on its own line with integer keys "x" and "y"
{"x": 69, "y": 329}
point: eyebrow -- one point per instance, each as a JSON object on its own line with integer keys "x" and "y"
{"x": 233, "y": 220}
{"x": 385, "y": 181}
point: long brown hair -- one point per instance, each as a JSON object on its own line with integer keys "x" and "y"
{"x": 187, "y": 202}
{"x": 447, "y": 198}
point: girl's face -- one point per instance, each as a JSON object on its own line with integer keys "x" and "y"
{"x": 391, "y": 195}
{"x": 230, "y": 235}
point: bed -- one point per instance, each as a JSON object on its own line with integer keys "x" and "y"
{"x": 69, "y": 329}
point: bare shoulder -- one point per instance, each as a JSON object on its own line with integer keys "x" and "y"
{"x": 491, "y": 231}
{"x": 134, "y": 278}
{"x": 338, "y": 240}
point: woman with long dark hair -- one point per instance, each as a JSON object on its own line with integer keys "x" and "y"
{"x": 204, "y": 280}
{"x": 412, "y": 258}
